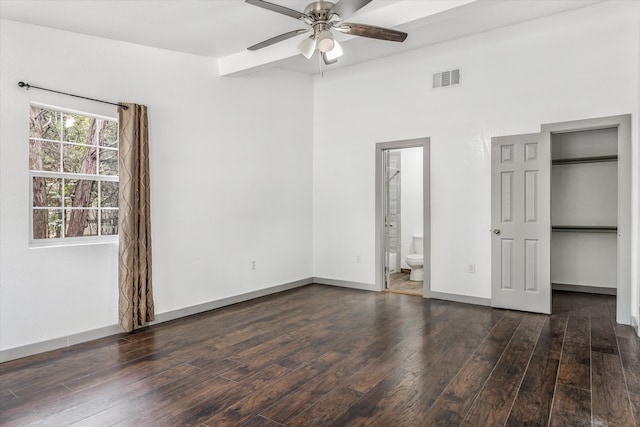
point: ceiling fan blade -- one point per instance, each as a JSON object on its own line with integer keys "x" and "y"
{"x": 277, "y": 39}
{"x": 345, "y": 8}
{"x": 370, "y": 31}
{"x": 279, "y": 9}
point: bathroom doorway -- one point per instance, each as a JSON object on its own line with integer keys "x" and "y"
{"x": 402, "y": 189}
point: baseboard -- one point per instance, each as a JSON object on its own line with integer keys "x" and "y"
{"x": 345, "y": 284}
{"x": 57, "y": 343}
{"x": 80, "y": 337}
{"x": 212, "y": 305}
{"x": 465, "y": 299}
{"x": 584, "y": 289}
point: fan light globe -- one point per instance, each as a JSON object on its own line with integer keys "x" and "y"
{"x": 336, "y": 52}
{"x": 325, "y": 41}
{"x": 307, "y": 46}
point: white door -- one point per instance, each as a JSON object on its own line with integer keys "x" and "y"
{"x": 521, "y": 222}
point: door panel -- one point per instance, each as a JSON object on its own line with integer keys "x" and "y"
{"x": 521, "y": 221}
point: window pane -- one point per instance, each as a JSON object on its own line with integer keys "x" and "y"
{"x": 44, "y": 124}
{"x": 81, "y": 222}
{"x": 110, "y": 135}
{"x": 47, "y": 192}
{"x": 108, "y": 162}
{"x": 79, "y": 159}
{"x": 47, "y": 223}
{"x": 109, "y": 194}
{"x": 44, "y": 156}
{"x": 109, "y": 222}
{"x": 76, "y": 128}
{"x": 80, "y": 193}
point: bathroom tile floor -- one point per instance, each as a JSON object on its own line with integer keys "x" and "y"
{"x": 399, "y": 282}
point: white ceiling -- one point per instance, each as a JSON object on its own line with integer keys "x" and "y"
{"x": 225, "y": 28}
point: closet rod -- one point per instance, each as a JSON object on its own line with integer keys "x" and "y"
{"x": 593, "y": 159}
{"x": 584, "y": 229}
{"x": 28, "y": 86}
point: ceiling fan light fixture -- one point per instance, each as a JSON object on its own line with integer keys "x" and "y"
{"x": 325, "y": 41}
{"x": 334, "y": 53}
{"x": 307, "y": 47}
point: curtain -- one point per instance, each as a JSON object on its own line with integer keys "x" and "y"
{"x": 135, "y": 301}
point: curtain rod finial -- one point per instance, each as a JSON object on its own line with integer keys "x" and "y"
{"x": 23, "y": 84}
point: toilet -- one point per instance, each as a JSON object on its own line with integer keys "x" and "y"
{"x": 416, "y": 260}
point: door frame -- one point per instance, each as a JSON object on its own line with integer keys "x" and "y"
{"x": 425, "y": 143}
{"x": 623, "y": 123}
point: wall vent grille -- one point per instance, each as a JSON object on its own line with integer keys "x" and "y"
{"x": 446, "y": 78}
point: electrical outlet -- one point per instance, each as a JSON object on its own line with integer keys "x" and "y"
{"x": 357, "y": 259}
{"x": 472, "y": 268}
{"x": 253, "y": 264}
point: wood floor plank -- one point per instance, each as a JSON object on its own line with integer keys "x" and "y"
{"x": 635, "y": 405}
{"x": 535, "y": 396}
{"x": 321, "y": 355}
{"x": 571, "y": 407}
{"x": 260, "y": 421}
{"x": 244, "y": 409}
{"x": 552, "y": 337}
{"x": 578, "y": 328}
{"x": 454, "y": 402}
{"x": 603, "y": 336}
{"x": 629, "y": 347}
{"x": 318, "y": 387}
{"x": 610, "y": 398}
{"x": 575, "y": 366}
{"x": 325, "y": 411}
{"x": 499, "y": 392}
{"x": 100, "y": 402}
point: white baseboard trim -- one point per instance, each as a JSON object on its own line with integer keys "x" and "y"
{"x": 465, "y": 299}
{"x": 584, "y": 289}
{"x": 212, "y": 305}
{"x": 345, "y": 284}
{"x": 80, "y": 337}
{"x": 57, "y": 343}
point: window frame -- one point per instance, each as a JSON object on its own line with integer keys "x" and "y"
{"x": 78, "y": 240}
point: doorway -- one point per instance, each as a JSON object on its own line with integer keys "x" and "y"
{"x": 402, "y": 211}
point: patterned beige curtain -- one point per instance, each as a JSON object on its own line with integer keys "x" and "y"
{"x": 135, "y": 304}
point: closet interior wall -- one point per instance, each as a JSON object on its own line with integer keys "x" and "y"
{"x": 584, "y": 210}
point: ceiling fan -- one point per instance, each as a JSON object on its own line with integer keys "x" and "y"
{"x": 322, "y": 17}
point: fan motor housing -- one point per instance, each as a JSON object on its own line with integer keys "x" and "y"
{"x": 319, "y": 10}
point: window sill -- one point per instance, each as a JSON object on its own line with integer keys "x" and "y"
{"x": 61, "y": 243}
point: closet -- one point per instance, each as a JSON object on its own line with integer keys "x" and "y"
{"x": 562, "y": 222}
{"x": 591, "y": 208}
{"x": 584, "y": 210}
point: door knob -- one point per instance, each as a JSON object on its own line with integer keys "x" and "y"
{"x": 496, "y": 231}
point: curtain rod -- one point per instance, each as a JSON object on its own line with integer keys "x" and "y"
{"x": 28, "y": 86}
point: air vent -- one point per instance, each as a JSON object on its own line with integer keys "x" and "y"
{"x": 446, "y": 78}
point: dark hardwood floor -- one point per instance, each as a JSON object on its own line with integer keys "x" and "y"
{"x": 321, "y": 355}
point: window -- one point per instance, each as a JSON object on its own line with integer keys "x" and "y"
{"x": 73, "y": 164}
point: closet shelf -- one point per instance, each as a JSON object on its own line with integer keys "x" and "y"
{"x": 585, "y": 228}
{"x": 592, "y": 159}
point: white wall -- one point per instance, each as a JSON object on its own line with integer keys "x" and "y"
{"x": 232, "y": 180}
{"x": 577, "y": 65}
{"x": 411, "y": 199}
{"x": 230, "y": 175}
